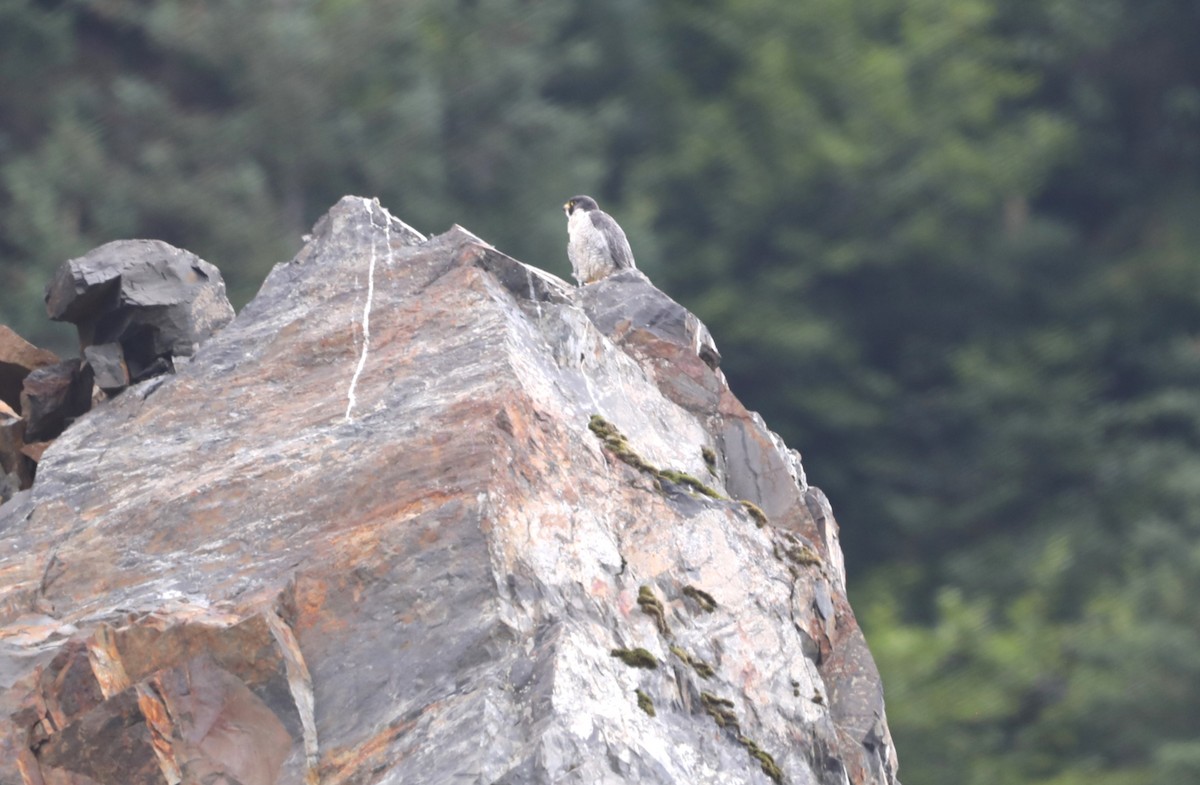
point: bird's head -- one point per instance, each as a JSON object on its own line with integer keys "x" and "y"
{"x": 584, "y": 203}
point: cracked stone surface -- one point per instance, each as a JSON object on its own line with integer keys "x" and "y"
{"x": 366, "y": 535}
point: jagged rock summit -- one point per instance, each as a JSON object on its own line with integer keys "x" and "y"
{"x": 424, "y": 514}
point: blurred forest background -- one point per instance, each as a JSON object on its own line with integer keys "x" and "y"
{"x": 949, "y": 248}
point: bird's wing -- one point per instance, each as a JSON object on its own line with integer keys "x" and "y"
{"x": 618, "y": 244}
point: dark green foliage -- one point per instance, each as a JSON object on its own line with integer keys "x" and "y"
{"x": 947, "y": 247}
{"x": 228, "y": 127}
{"x": 644, "y": 702}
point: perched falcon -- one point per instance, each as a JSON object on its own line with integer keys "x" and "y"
{"x": 597, "y": 247}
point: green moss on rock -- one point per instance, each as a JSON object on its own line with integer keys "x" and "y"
{"x": 616, "y": 443}
{"x": 756, "y": 513}
{"x": 688, "y": 481}
{"x": 636, "y": 658}
{"x": 651, "y": 606}
{"x": 702, "y": 598}
{"x": 720, "y": 709}
{"x": 790, "y": 548}
{"x": 702, "y": 668}
{"x": 765, "y": 761}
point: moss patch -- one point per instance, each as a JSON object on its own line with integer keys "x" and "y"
{"x": 616, "y": 442}
{"x": 765, "y": 761}
{"x": 702, "y": 668}
{"x": 795, "y": 551}
{"x": 702, "y": 598}
{"x": 618, "y": 445}
{"x": 720, "y": 709}
{"x": 710, "y": 458}
{"x": 651, "y": 606}
{"x": 644, "y": 702}
{"x": 756, "y": 513}
{"x": 687, "y": 480}
{"x": 801, "y": 554}
{"x": 636, "y": 658}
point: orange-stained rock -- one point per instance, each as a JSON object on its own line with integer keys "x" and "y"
{"x": 17, "y": 358}
{"x": 34, "y": 451}
{"x": 374, "y": 532}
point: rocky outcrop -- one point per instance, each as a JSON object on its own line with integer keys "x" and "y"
{"x": 424, "y": 514}
{"x": 138, "y": 305}
{"x": 18, "y": 360}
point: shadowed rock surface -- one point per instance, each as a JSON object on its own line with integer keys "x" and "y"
{"x": 53, "y": 396}
{"x": 423, "y": 514}
{"x": 18, "y": 358}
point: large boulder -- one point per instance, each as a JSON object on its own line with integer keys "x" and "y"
{"x": 424, "y": 514}
{"x": 142, "y": 303}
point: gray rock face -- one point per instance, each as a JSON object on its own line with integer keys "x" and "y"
{"x": 448, "y": 519}
{"x": 107, "y": 361}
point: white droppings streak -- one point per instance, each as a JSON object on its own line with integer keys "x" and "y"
{"x": 532, "y": 293}
{"x": 366, "y": 320}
